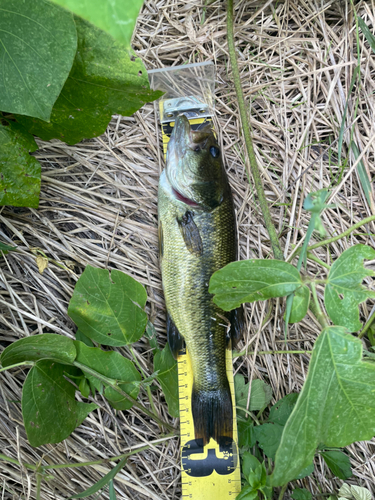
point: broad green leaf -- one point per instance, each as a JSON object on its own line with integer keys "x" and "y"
{"x": 301, "y": 301}
{"x": 338, "y": 462}
{"x": 6, "y": 248}
{"x": 112, "y": 365}
{"x": 246, "y": 436}
{"x": 247, "y": 493}
{"x": 306, "y": 471}
{"x": 166, "y": 366}
{"x": 360, "y": 493}
{"x": 104, "y": 80}
{"x": 366, "y": 31}
{"x": 249, "y": 463}
{"x": 268, "y": 437}
{"x": 108, "y": 308}
{"x": 82, "y": 338}
{"x": 336, "y": 405}
{"x": 281, "y": 410}
{"x": 345, "y": 491}
{"x": 345, "y": 278}
{"x": 116, "y": 17}
{"x": 19, "y": 172}
{"x": 251, "y": 280}
{"x": 257, "y": 478}
{"x": 102, "y": 482}
{"x": 261, "y": 394}
{"x": 37, "y": 347}
{"x": 50, "y": 411}
{"x": 38, "y": 43}
{"x": 301, "y": 494}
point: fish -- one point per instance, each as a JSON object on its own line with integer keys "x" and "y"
{"x": 198, "y": 236}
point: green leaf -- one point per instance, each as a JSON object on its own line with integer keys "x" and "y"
{"x": 360, "y": 493}
{"x": 338, "y": 462}
{"x": 19, "y": 172}
{"x": 82, "y": 338}
{"x": 257, "y": 478}
{"x": 39, "y": 42}
{"x": 166, "y": 366}
{"x": 108, "y": 308}
{"x": 345, "y": 278}
{"x": 116, "y": 17}
{"x": 112, "y": 365}
{"x": 246, "y": 436}
{"x": 336, "y": 405}
{"x": 306, "y": 471}
{"x": 247, "y": 493}
{"x": 6, "y": 248}
{"x": 301, "y": 494}
{"x": 251, "y": 280}
{"x": 301, "y": 301}
{"x": 50, "y": 411}
{"x": 249, "y": 463}
{"x": 84, "y": 387}
{"x": 103, "y": 482}
{"x": 268, "y": 437}
{"x": 152, "y": 336}
{"x": 104, "y": 80}
{"x": 112, "y": 492}
{"x": 261, "y": 394}
{"x": 366, "y": 31}
{"x": 281, "y": 410}
{"x": 37, "y": 347}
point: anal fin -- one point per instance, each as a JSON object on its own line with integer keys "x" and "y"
{"x": 175, "y": 339}
{"x": 237, "y": 326}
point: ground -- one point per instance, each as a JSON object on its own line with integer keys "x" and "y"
{"x": 98, "y": 206}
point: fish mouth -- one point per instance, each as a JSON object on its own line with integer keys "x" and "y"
{"x": 183, "y": 136}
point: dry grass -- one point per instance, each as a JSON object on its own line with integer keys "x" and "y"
{"x": 99, "y": 206}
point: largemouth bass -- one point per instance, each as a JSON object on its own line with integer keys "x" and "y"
{"x": 197, "y": 236}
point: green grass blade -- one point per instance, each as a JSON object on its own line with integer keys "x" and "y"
{"x": 363, "y": 177}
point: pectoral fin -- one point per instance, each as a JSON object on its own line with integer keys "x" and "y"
{"x": 190, "y": 233}
{"x": 175, "y": 339}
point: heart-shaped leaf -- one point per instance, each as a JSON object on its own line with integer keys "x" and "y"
{"x": 38, "y": 43}
{"x": 49, "y": 408}
{"x": 344, "y": 291}
{"x": 109, "y": 308}
{"x": 19, "y": 172}
{"x": 336, "y": 405}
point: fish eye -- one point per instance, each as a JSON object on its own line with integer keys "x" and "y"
{"x": 197, "y": 149}
{"x": 214, "y": 151}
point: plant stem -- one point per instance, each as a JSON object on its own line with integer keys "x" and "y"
{"x": 282, "y": 491}
{"x": 23, "y": 363}
{"x": 367, "y": 326}
{"x": 245, "y": 352}
{"x": 315, "y": 307}
{"x": 335, "y": 238}
{"x": 42, "y": 468}
{"x": 276, "y": 248}
{"x": 114, "y": 384}
{"x": 148, "y": 390}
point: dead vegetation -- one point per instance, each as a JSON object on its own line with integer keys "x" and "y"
{"x": 99, "y": 206}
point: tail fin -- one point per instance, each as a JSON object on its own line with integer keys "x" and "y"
{"x": 212, "y": 414}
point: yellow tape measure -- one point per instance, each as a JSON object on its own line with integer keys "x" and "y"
{"x": 210, "y": 472}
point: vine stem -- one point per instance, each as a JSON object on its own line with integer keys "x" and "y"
{"x": 282, "y": 491}
{"x": 334, "y": 238}
{"x": 276, "y": 248}
{"x": 315, "y": 307}
{"x": 113, "y": 383}
{"x": 245, "y": 352}
{"x": 42, "y": 468}
{"x": 23, "y": 363}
